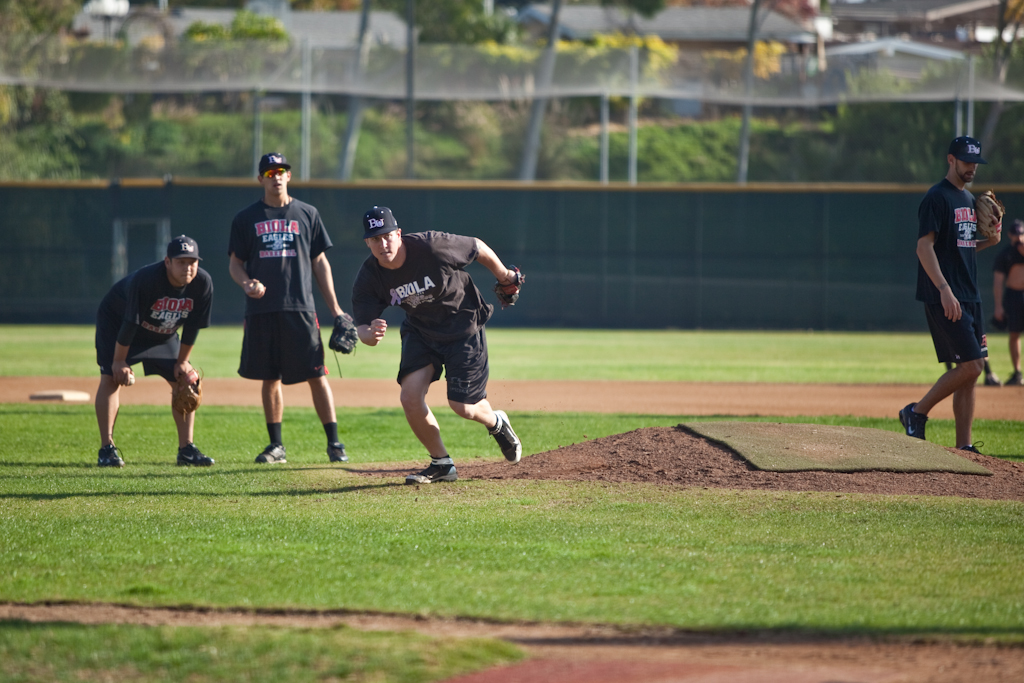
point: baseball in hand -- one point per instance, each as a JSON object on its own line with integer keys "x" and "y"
{"x": 131, "y": 378}
{"x": 258, "y": 290}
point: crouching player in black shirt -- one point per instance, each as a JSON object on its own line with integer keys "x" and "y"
{"x": 137, "y": 322}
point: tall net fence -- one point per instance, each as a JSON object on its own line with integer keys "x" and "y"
{"x": 711, "y": 257}
{"x": 462, "y": 72}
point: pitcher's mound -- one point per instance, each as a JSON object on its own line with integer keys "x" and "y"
{"x": 789, "y": 447}
{"x": 676, "y": 456}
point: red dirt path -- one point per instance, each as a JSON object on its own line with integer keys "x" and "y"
{"x": 604, "y": 654}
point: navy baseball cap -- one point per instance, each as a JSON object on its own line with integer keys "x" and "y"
{"x": 273, "y": 160}
{"x": 1017, "y": 228}
{"x": 966, "y": 149}
{"x": 183, "y": 246}
{"x": 378, "y": 221}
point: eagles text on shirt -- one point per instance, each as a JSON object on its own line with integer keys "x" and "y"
{"x": 966, "y": 226}
{"x": 169, "y": 314}
{"x": 277, "y": 234}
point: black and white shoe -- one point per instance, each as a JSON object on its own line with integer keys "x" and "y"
{"x": 109, "y": 457}
{"x": 912, "y": 422}
{"x": 972, "y": 448}
{"x": 273, "y": 453}
{"x": 441, "y": 469}
{"x": 1014, "y": 380}
{"x": 511, "y": 446}
{"x": 991, "y": 380}
{"x": 336, "y": 452}
{"x": 190, "y": 455}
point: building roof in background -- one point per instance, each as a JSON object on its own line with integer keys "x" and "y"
{"x": 894, "y": 46}
{"x": 674, "y": 24}
{"x": 908, "y": 10}
{"x": 322, "y": 29}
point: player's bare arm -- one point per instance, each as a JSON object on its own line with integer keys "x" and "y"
{"x": 930, "y": 263}
{"x": 183, "y": 366}
{"x": 489, "y": 260}
{"x": 252, "y": 287}
{"x": 325, "y": 281}
{"x": 372, "y": 333}
{"x": 120, "y": 369}
{"x": 998, "y": 281}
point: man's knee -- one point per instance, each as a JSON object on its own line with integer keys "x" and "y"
{"x": 973, "y": 367}
{"x": 463, "y": 410}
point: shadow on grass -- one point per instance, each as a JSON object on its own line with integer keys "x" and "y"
{"x": 522, "y": 632}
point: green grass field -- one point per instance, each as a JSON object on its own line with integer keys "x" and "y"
{"x": 309, "y": 535}
{"x": 666, "y": 355}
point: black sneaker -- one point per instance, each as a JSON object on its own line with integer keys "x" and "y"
{"x": 511, "y": 446}
{"x": 441, "y": 469}
{"x": 913, "y": 422}
{"x": 110, "y": 457}
{"x": 190, "y": 455}
{"x": 273, "y": 453}
{"x": 991, "y": 380}
{"x": 972, "y": 448}
{"x": 1014, "y": 380}
{"x": 336, "y": 452}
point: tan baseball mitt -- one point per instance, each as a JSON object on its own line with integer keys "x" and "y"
{"x": 990, "y": 214}
{"x": 188, "y": 394}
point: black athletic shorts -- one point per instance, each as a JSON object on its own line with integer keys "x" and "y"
{"x": 156, "y": 359}
{"x": 1013, "y": 307}
{"x": 464, "y": 362}
{"x": 284, "y": 346}
{"x": 960, "y": 341}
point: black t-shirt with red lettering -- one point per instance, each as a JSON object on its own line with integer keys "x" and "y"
{"x": 278, "y": 245}
{"x": 439, "y": 298}
{"x": 950, "y": 214}
{"x": 149, "y": 310}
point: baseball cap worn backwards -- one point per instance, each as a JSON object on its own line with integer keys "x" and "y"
{"x": 273, "y": 160}
{"x": 966, "y": 149}
{"x": 183, "y": 246}
{"x": 378, "y": 221}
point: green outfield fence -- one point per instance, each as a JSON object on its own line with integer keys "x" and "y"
{"x": 826, "y": 257}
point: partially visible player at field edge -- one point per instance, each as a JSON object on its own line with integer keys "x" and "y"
{"x": 445, "y": 314}
{"x": 947, "y": 284}
{"x": 137, "y": 322}
{"x": 1008, "y": 291}
{"x": 277, "y": 247}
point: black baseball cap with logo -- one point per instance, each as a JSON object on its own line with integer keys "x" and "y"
{"x": 378, "y": 221}
{"x": 273, "y": 160}
{"x": 966, "y": 149}
{"x": 183, "y": 246}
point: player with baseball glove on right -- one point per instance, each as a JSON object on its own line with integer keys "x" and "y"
{"x": 137, "y": 322}
{"x": 952, "y": 227}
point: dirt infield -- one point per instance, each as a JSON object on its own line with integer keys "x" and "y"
{"x": 567, "y": 653}
{"x": 651, "y": 398}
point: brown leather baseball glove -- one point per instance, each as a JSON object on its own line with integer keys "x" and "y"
{"x": 187, "y": 394}
{"x": 990, "y": 214}
{"x": 508, "y": 294}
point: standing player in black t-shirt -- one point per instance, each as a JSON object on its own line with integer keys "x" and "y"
{"x": 424, "y": 274}
{"x": 137, "y": 322}
{"x": 277, "y": 247}
{"x": 947, "y": 283}
{"x": 1008, "y": 291}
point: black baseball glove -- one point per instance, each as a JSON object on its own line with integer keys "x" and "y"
{"x": 509, "y": 294}
{"x": 344, "y": 336}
